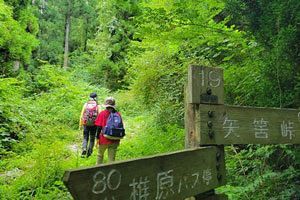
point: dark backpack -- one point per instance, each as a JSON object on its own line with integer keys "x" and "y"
{"x": 90, "y": 114}
{"x": 114, "y": 128}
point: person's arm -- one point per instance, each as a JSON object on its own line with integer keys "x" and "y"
{"x": 98, "y": 123}
{"x": 81, "y": 116}
{"x": 99, "y": 128}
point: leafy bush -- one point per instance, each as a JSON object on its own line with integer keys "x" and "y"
{"x": 41, "y": 176}
{"x": 13, "y": 122}
{"x": 146, "y": 138}
{"x": 16, "y": 42}
{"x": 262, "y": 171}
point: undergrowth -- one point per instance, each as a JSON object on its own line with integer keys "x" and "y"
{"x": 46, "y": 140}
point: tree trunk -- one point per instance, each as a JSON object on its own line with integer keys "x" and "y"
{"x": 67, "y": 33}
{"x": 42, "y": 6}
{"x": 86, "y": 34}
{"x": 16, "y": 66}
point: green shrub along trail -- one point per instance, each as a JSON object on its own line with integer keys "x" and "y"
{"x": 53, "y": 54}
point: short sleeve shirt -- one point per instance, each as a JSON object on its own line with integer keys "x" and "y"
{"x": 101, "y": 121}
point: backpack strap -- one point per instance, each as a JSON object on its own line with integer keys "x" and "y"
{"x": 90, "y": 101}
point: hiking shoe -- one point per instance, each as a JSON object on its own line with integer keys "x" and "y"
{"x": 83, "y": 153}
{"x": 88, "y": 154}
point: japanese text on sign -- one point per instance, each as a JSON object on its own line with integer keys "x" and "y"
{"x": 260, "y": 128}
{"x": 166, "y": 186}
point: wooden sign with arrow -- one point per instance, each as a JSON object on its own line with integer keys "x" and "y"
{"x": 169, "y": 176}
{"x": 221, "y": 124}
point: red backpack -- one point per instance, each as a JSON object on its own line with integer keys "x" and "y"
{"x": 90, "y": 113}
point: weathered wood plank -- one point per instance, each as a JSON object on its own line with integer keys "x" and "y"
{"x": 248, "y": 125}
{"x": 206, "y": 85}
{"x": 192, "y": 139}
{"x": 168, "y": 176}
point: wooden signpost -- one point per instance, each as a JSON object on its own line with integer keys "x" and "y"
{"x": 210, "y": 122}
{"x": 247, "y": 125}
{"x": 205, "y": 85}
{"x": 198, "y": 170}
{"x": 170, "y": 176}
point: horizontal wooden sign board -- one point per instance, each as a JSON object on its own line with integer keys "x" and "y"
{"x": 169, "y": 176}
{"x": 205, "y": 85}
{"x": 221, "y": 124}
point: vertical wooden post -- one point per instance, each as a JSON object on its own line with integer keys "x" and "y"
{"x": 205, "y": 86}
{"x": 192, "y": 139}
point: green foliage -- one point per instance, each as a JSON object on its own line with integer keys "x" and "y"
{"x": 52, "y": 16}
{"x": 275, "y": 24}
{"x": 58, "y": 98}
{"x": 84, "y": 24}
{"x": 145, "y": 136}
{"x": 13, "y": 122}
{"x": 42, "y": 180}
{"x": 148, "y": 139}
{"x": 51, "y": 33}
{"x": 111, "y": 44}
{"x": 28, "y": 21}
{"x": 189, "y": 34}
{"x": 16, "y": 43}
{"x": 262, "y": 172}
{"x": 159, "y": 87}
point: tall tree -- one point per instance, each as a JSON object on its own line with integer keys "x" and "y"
{"x": 112, "y": 42}
{"x": 67, "y": 32}
{"x": 65, "y": 27}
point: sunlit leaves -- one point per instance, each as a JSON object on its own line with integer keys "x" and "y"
{"x": 16, "y": 41}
